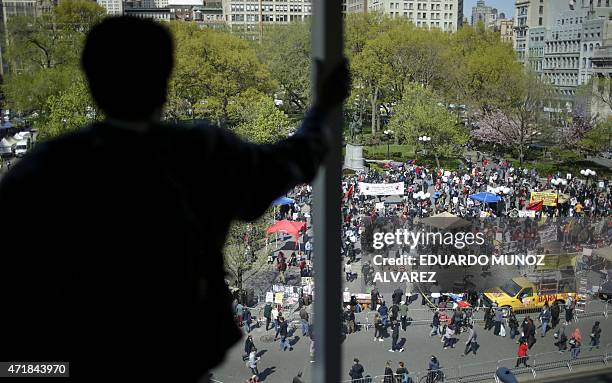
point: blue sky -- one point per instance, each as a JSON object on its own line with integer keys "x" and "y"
{"x": 505, "y": 6}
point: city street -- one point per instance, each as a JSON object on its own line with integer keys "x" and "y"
{"x": 276, "y": 366}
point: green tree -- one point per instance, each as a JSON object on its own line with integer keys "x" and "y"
{"x": 71, "y": 108}
{"x": 255, "y": 117}
{"x": 597, "y": 139}
{"x": 43, "y": 54}
{"x": 243, "y": 255}
{"x": 421, "y": 112}
{"x": 482, "y": 70}
{"x": 211, "y": 67}
{"x": 285, "y": 50}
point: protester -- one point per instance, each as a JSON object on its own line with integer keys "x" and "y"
{"x": 575, "y": 342}
{"x": 522, "y": 353}
{"x": 471, "y": 344}
{"x": 595, "y": 335}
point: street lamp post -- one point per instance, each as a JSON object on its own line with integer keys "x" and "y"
{"x": 587, "y": 173}
{"x": 388, "y": 134}
{"x": 424, "y": 139}
{"x": 421, "y": 197}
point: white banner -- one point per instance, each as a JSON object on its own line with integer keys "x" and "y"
{"x": 526, "y": 214}
{"x": 382, "y": 189}
{"x": 548, "y": 235}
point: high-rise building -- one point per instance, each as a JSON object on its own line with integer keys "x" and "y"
{"x": 484, "y": 13}
{"x": 113, "y": 7}
{"x": 558, "y": 40}
{"x": 249, "y": 17}
{"x": 443, "y": 14}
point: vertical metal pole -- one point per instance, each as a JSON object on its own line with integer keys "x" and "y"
{"x": 327, "y": 28}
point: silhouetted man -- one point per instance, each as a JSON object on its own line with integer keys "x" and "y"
{"x": 117, "y": 268}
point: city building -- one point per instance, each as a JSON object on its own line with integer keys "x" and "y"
{"x": 249, "y": 17}
{"x": 444, "y": 14}
{"x": 113, "y": 7}
{"x": 209, "y": 14}
{"x": 355, "y": 6}
{"x": 182, "y": 9}
{"x": 558, "y": 39}
{"x": 157, "y": 14}
{"x": 602, "y": 76}
{"x": 484, "y": 13}
{"x": 506, "y": 30}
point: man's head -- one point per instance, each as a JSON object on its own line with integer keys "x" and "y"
{"x": 127, "y": 62}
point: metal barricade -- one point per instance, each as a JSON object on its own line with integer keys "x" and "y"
{"x": 551, "y": 360}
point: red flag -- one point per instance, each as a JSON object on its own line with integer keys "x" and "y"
{"x": 349, "y": 192}
{"x": 536, "y": 206}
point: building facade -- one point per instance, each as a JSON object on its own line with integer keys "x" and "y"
{"x": 157, "y": 14}
{"x": 210, "y": 14}
{"x": 484, "y": 13}
{"x": 506, "y": 30}
{"x": 355, "y": 6}
{"x": 247, "y": 17}
{"x": 558, "y": 39}
{"x": 443, "y": 14}
{"x": 113, "y": 7}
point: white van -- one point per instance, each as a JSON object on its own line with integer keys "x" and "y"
{"x": 21, "y": 148}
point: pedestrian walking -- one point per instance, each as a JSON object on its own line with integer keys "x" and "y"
{"x": 575, "y": 342}
{"x": 374, "y": 296}
{"x": 246, "y": 319}
{"x": 545, "y": 316}
{"x": 570, "y": 305}
{"x": 522, "y": 353}
{"x": 350, "y": 319}
{"x": 561, "y": 342}
{"x": 249, "y": 345}
{"x": 304, "y": 319}
{"x": 471, "y": 345}
{"x": 403, "y": 313}
{"x": 513, "y": 325}
{"x": 555, "y": 310}
{"x": 497, "y": 320}
{"x": 378, "y": 327}
{"x": 267, "y": 312}
{"x": 278, "y": 321}
{"x": 356, "y": 371}
{"x": 253, "y": 360}
{"x": 595, "y": 335}
{"x": 395, "y": 328}
{"x": 388, "y": 374}
{"x": 435, "y": 324}
{"x": 448, "y": 339}
{"x": 284, "y": 343}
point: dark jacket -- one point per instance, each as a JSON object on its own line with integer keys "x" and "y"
{"x": 129, "y": 229}
{"x": 356, "y": 371}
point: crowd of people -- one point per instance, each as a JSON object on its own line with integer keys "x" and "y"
{"x": 448, "y": 192}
